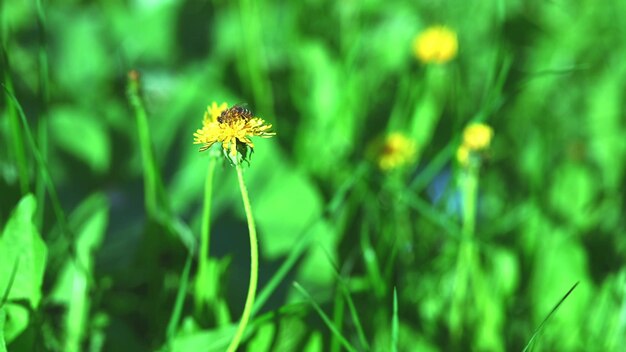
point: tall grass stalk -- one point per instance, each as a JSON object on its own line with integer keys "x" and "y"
{"x": 147, "y": 155}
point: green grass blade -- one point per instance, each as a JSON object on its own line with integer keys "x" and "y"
{"x": 427, "y": 210}
{"x": 17, "y": 140}
{"x": 325, "y": 318}
{"x": 545, "y": 320}
{"x": 394, "y": 322}
{"x": 172, "y": 325}
{"x": 43, "y": 169}
{"x": 338, "y": 311}
{"x": 437, "y": 163}
{"x": 372, "y": 265}
{"x": 7, "y": 290}
{"x": 343, "y": 285}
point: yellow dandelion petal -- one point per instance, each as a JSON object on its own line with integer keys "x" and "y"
{"x": 214, "y": 111}
{"x": 437, "y": 44}
{"x": 232, "y": 127}
{"x": 477, "y": 136}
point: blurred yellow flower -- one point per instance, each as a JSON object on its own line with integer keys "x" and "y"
{"x": 232, "y": 127}
{"x": 395, "y": 151}
{"x": 437, "y": 44}
{"x": 477, "y": 136}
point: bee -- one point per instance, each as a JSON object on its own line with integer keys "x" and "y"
{"x": 234, "y": 113}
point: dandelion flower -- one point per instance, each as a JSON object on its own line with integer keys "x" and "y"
{"x": 477, "y": 136}
{"x": 437, "y": 44}
{"x": 395, "y": 151}
{"x": 232, "y": 127}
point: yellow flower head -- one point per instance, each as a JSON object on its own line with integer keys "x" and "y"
{"x": 232, "y": 127}
{"x": 437, "y": 44}
{"x": 395, "y": 151}
{"x": 477, "y": 136}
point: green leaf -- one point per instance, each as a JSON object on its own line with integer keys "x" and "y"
{"x": 394, "y": 322}
{"x": 315, "y": 343}
{"x": 72, "y": 289}
{"x": 284, "y": 201}
{"x": 83, "y": 54}
{"x": 262, "y": 340}
{"x": 21, "y": 241}
{"x": 81, "y": 134}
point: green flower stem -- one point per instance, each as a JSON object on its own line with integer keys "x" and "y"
{"x": 465, "y": 258}
{"x": 254, "y": 264}
{"x": 205, "y": 235}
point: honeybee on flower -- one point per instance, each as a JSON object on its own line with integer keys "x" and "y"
{"x": 232, "y": 127}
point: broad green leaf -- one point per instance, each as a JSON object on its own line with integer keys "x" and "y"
{"x": 284, "y": 201}
{"x": 81, "y": 134}
{"x": 21, "y": 243}
{"x": 72, "y": 289}
{"x": 84, "y": 57}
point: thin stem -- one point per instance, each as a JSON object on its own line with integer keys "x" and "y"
{"x": 205, "y": 235}
{"x": 254, "y": 264}
{"x": 16, "y": 138}
{"x": 465, "y": 259}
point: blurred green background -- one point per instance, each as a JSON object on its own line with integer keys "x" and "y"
{"x": 91, "y": 259}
